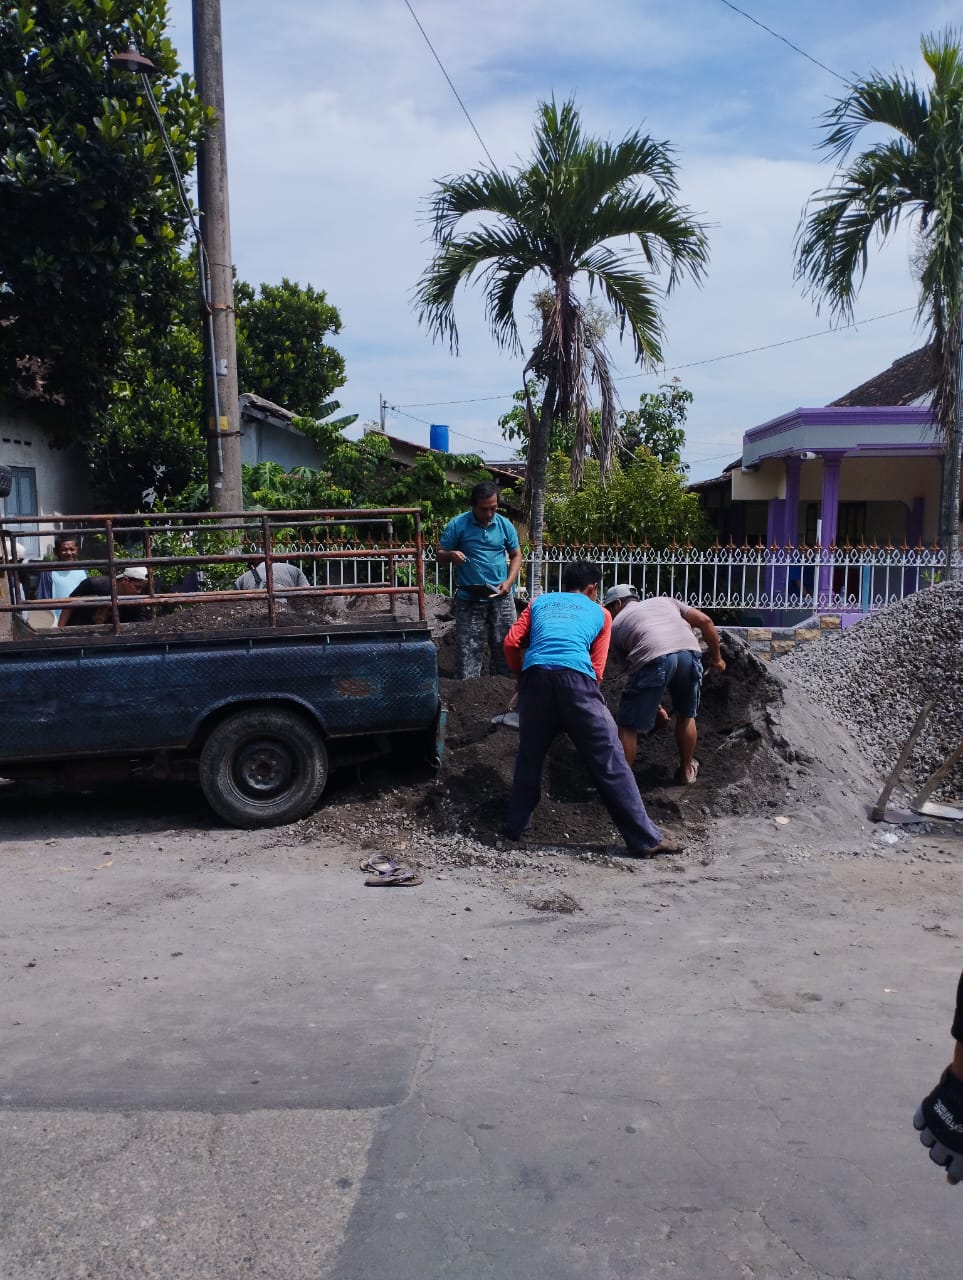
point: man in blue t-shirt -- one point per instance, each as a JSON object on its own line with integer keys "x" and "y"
{"x": 477, "y": 543}
{"x": 560, "y": 644}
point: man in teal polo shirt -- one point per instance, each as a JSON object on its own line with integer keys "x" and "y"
{"x": 477, "y": 543}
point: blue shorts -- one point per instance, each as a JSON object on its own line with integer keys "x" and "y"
{"x": 678, "y": 673}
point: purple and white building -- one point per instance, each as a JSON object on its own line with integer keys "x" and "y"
{"x": 864, "y": 470}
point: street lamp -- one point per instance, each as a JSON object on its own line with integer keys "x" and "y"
{"x": 214, "y": 269}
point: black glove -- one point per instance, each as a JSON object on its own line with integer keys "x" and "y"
{"x": 939, "y": 1119}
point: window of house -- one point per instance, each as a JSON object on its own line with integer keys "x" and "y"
{"x": 851, "y": 524}
{"x": 811, "y": 515}
{"x": 22, "y": 501}
{"x": 757, "y": 521}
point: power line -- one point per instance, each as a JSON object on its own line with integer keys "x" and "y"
{"x": 462, "y": 435}
{"x": 451, "y": 85}
{"x": 438, "y": 404}
{"x": 393, "y": 408}
{"x": 795, "y": 47}
{"x": 626, "y": 377}
{"x": 770, "y": 346}
{"x": 714, "y": 457}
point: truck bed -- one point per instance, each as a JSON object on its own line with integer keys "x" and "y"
{"x": 102, "y": 694}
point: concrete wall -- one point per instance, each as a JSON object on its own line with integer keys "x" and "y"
{"x": 772, "y": 642}
{"x": 265, "y": 442}
{"x": 61, "y": 474}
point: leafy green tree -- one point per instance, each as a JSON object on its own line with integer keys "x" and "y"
{"x": 556, "y": 219}
{"x": 90, "y": 218}
{"x": 281, "y": 349}
{"x": 918, "y": 174}
{"x": 145, "y": 444}
{"x": 640, "y": 500}
{"x": 147, "y": 439}
{"x": 658, "y": 425}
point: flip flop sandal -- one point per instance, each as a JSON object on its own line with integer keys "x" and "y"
{"x": 379, "y": 865}
{"x": 400, "y": 877}
{"x": 680, "y": 781}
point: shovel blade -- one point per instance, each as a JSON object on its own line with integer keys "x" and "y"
{"x": 507, "y": 719}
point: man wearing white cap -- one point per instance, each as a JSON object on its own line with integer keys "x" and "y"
{"x": 131, "y": 581}
{"x": 656, "y": 643}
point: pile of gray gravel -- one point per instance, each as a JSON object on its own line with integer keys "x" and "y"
{"x": 875, "y": 677}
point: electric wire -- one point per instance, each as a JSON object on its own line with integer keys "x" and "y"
{"x": 451, "y": 85}
{"x": 769, "y": 346}
{"x": 674, "y": 368}
{"x": 393, "y": 408}
{"x": 795, "y": 47}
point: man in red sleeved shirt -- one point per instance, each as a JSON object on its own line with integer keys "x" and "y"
{"x": 560, "y": 644}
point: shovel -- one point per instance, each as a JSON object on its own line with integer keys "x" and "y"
{"x": 506, "y": 719}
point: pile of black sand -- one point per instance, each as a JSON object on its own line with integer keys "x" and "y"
{"x": 748, "y": 766}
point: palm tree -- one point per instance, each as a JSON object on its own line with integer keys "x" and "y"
{"x": 553, "y": 221}
{"x": 918, "y": 174}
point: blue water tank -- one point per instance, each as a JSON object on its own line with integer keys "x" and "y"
{"x": 438, "y": 437}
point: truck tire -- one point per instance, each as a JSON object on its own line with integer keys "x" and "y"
{"x": 262, "y": 768}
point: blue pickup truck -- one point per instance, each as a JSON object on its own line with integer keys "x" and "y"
{"x": 258, "y": 715}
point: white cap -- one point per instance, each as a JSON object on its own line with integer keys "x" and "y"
{"x": 621, "y": 591}
{"x": 135, "y": 571}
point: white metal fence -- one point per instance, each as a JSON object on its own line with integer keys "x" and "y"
{"x": 777, "y": 585}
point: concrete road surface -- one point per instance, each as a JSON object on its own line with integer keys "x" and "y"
{"x": 224, "y": 1057}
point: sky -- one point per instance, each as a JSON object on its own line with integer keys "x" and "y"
{"x": 339, "y": 122}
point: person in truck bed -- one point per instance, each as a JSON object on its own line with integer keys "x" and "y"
{"x": 131, "y": 581}
{"x": 283, "y": 574}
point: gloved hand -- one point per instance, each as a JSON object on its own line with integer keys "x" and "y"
{"x": 939, "y": 1120}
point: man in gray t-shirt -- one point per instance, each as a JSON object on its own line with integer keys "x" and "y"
{"x": 283, "y": 574}
{"x": 655, "y": 642}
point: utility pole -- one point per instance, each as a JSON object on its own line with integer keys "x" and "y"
{"x": 220, "y": 377}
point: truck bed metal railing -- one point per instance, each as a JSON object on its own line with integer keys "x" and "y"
{"x": 201, "y": 541}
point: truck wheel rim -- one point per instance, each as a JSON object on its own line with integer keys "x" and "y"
{"x": 264, "y": 769}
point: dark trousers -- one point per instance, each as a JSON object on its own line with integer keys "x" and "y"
{"x": 553, "y": 700}
{"x": 958, "y": 1020}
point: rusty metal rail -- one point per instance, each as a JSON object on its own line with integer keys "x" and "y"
{"x": 131, "y": 539}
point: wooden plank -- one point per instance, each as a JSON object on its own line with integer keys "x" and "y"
{"x": 878, "y": 813}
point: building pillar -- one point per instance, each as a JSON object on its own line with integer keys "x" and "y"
{"x": 829, "y": 518}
